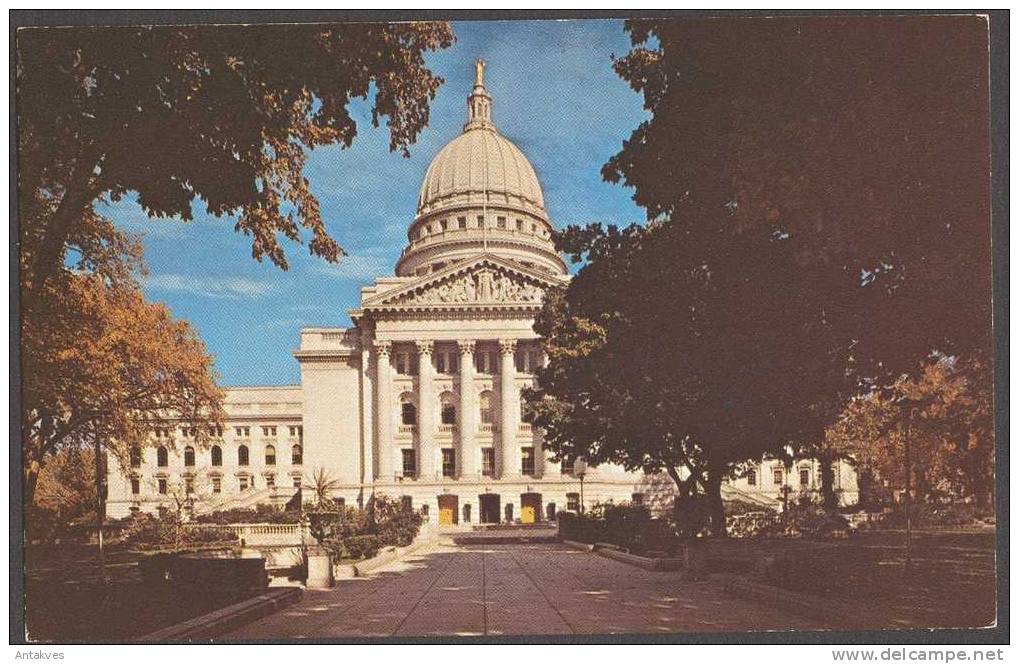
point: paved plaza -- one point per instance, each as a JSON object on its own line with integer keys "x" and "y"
{"x": 515, "y": 589}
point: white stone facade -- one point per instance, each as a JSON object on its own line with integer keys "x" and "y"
{"x": 420, "y": 397}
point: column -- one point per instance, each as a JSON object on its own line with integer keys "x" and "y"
{"x": 369, "y": 470}
{"x": 383, "y": 418}
{"x": 467, "y": 454}
{"x": 509, "y": 401}
{"x": 426, "y": 410}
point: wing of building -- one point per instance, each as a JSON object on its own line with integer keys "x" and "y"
{"x": 420, "y": 397}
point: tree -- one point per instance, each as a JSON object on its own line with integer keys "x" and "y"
{"x": 101, "y": 364}
{"x": 855, "y": 136}
{"x": 221, "y": 113}
{"x": 721, "y": 366}
{"x": 946, "y": 416}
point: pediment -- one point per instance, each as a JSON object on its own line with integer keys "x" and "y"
{"x": 484, "y": 280}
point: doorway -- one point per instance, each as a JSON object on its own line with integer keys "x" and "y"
{"x": 448, "y": 510}
{"x": 530, "y": 507}
{"x": 489, "y": 507}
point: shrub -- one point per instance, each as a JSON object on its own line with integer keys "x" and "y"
{"x": 934, "y": 516}
{"x": 362, "y": 546}
{"x": 145, "y": 532}
{"x": 258, "y": 514}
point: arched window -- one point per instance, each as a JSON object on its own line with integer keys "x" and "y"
{"x": 408, "y": 410}
{"x": 485, "y": 404}
{"x": 162, "y": 459}
{"x": 242, "y": 455}
{"x": 136, "y": 457}
{"x": 270, "y": 455}
{"x": 296, "y": 455}
{"x": 217, "y": 455}
{"x": 447, "y": 408}
{"x": 189, "y": 456}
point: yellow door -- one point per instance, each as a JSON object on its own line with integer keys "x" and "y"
{"x": 445, "y": 516}
{"x": 527, "y": 514}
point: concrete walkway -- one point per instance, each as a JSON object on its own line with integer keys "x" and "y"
{"x": 514, "y": 589}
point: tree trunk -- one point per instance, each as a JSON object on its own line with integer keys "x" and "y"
{"x": 715, "y": 506}
{"x": 100, "y": 508}
{"x": 829, "y": 500}
{"x": 32, "y": 469}
{"x": 78, "y": 195}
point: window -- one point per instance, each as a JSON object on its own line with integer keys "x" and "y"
{"x": 777, "y": 475}
{"x": 486, "y": 361}
{"x": 448, "y": 413}
{"x": 162, "y": 485}
{"x": 184, "y": 431}
{"x": 488, "y": 461}
{"x": 216, "y": 432}
{"x": 296, "y": 455}
{"x": 448, "y": 462}
{"x": 408, "y": 413}
{"x": 189, "y": 485}
{"x": 242, "y": 455}
{"x": 136, "y": 486}
{"x": 136, "y": 457}
{"x": 217, "y": 455}
{"x": 297, "y": 482}
{"x": 461, "y": 222}
{"x": 270, "y": 455}
{"x": 242, "y": 432}
{"x": 217, "y": 485}
{"x": 534, "y": 227}
{"x": 409, "y": 463}
{"x": 566, "y": 467}
{"x": 270, "y": 481}
{"x": 637, "y": 499}
{"x": 573, "y": 502}
{"x": 189, "y": 456}
{"x": 445, "y": 362}
{"x": 501, "y": 222}
{"x": 269, "y": 432}
{"x": 406, "y": 363}
{"x": 520, "y": 224}
{"x": 804, "y": 476}
{"x": 527, "y": 460}
{"x": 242, "y": 482}
{"x": 752, "y": 478}
{"x": 162, "y": 459}
{"x": 485, "y": 404}
{"x": 406, "y": 503}
{"x": 445, "y": 224}
{"x": 297, "y": 431}
{"x": 481, "y": 221}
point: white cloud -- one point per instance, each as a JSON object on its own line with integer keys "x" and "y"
{"x": 208, "y": 286}
{"x": 362, "y": 267}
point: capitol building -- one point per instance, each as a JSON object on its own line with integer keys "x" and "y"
{"x": 420, "y": 397}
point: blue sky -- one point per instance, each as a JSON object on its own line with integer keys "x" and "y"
{"x": 555, "y": 96}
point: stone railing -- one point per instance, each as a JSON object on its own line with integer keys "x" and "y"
{"x": 265, "y": 534}
{"x": 489, "y": 427}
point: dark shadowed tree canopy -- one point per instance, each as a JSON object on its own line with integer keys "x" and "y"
{"x": 221, "y": 113}
{"x": 817, "y": 193}
{"x": 865, "y": 139}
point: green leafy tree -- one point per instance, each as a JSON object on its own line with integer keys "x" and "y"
{"x": 221, "y": 113}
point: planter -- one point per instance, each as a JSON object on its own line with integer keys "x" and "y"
{"x": 320, "y": 568}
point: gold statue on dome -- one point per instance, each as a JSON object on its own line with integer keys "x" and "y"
{"x": 479, "y": 73}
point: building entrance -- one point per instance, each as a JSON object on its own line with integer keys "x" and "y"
{"x": 530, "y": 507}
{"x": 489, "y": 507}
{"x": 448, "y": 510}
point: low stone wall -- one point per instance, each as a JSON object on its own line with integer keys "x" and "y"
{"x": 265, "y": 534}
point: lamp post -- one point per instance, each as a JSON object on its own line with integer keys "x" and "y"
{"x": 580, "y": 469}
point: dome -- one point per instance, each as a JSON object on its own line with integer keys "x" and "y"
{"x": 478, "y": 164}
{"x": 480, "y": 194}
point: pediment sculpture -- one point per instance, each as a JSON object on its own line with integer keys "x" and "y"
{"x": 482, "y": 286}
